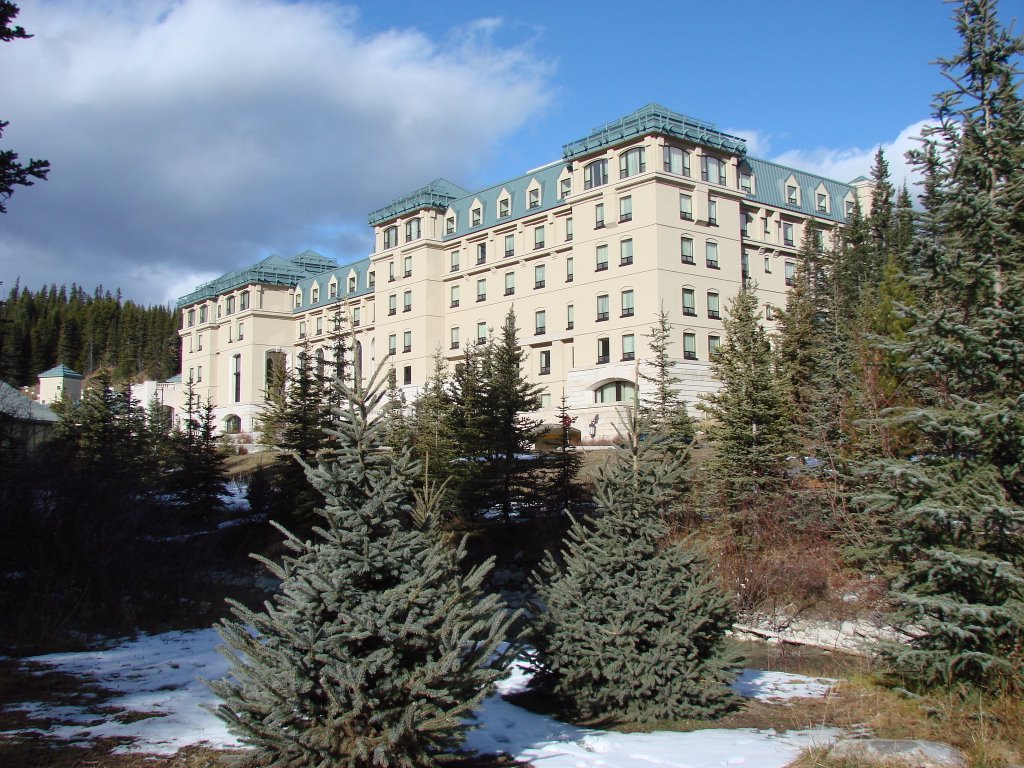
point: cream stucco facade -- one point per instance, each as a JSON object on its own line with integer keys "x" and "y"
{"x": 653, "y": 211}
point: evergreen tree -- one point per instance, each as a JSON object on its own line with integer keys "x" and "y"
{"x": 956, "y": 493}
{"x": 376, "y": 649}
{"x": 629, "y": 625}
{"x": 662, "y": 405}
{"x": 198, "y": 466}
{"x": 432, "y": 442}
{"x": 751, "y": 413}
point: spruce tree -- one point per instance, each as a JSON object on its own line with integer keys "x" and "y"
{"x": 197, "y": 477}
{"x": 629, "y": 625}
{"x": 376, "y": 648}
{"x": 662, "y": 404}
{"x": 956, "y": 493}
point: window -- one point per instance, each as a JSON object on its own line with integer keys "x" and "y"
{"x": 615, "y": 392}
{"x": 791, "y": 197}
{"x": 686, "y": 250}
{"x": 626, "y": 208}
{"x": 455, "y": 296}
{"x": 534, "y": 198}
{"x": 449, "y": 225}
{"x": 712, "y": 170}
{"x": 412, "y": 230}
{"x": 745, "y": 224}
{"x": 393, "y": 304}
{"x": 564, "y": 188}
{"x": 602, "y": 258}
{"x": 199, "y": 373}
{"x": 321, "y": 364}
{"x": 455, "y": 337}
{"x": 233, "y": 423}
{"x": 503, "y": 207}
{"x": 685, "y": 207}
{"x": 319, "y": 326}
{"x": 481, "y": 332}
{"x": 219, "y": 307}
{"x": 391, "y": 271}
{"x": 510, "y": 283}
{"x": 569, "y": 269}
{"x": 481, "y": 253}
{"x": 407, "y": 269}
{"x": 236, "y": 381}
{"x": 453, "y": 260}
{"x": 407, "y": 341}
{"x": 539, "y": 272}
{"x": 229, "y": 303}
{"x": 356, "y": 316}
{"x": 676, "y": 160}
{"x": 767, "y": 265}
{"x": 371, "y": 280}
{"x": 713, "y": 312}
{"x": 711, "y": 254}
{"x": 595, "y": 174}
{"x": 745, "y": 184}
{"x": 203, "y": 310}
{"x": 538, "y": 237}
{"x": 849, "y": 207}
{"x": 352, "y": 278}
{"x": 390, "y": 237}
{"x": 822, "y": 202}
{"x": 407, "y": 375}
{"x": 767, "y": 228}
{"x": 599, "y": 216}
{"x": 241, "y": 331}
{"x": 332, "y": 290}
{"x": 302, "y": 329}
{"x": 298, "y": 300}
{"x": 787, "y": 234}
{"x": 407, "y": 301}
{"x": 243, "y": 299}
{"x": 714, "y": 344}
{"x": 545, "y": 362}
{"x": 191, "y": 318}
{"x": 632, "y": 162}
{"x": 768, "y": 313}
{"x": 712, "y": 212}
{"x": 481, "y": 289}
{"x": 568, "y": 229}
{"x": 626, "y": 252}
{"x": 570, "y": 317}
{"x": 603, "y": 350}
{"x": 628, "y": 347}
{"x": 475, "y": 217}
{"x": 602, "y": 307}
{"x": 689, "y": 346}
{"x": 790, "y": 273}
{"x": 510, "y": 246}
{"x": 627, "y": 303}
{"x": 540, "y": 322}
{"x": 689, "y": 304}
{"x": 199, "y": 342}
{"x": 745, "y": 266}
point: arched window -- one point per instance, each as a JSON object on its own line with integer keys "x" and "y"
{"x": 595, "y": 174}
{"x": 232, "y": 424}
{"x": 618, "y": 391}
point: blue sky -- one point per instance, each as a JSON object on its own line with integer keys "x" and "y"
{"x": 192, "y": 137}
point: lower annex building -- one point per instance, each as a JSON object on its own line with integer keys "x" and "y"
{"x": 654, "y": 210}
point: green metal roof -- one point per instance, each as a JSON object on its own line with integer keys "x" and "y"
{"x": 437, "y": 194}
{"x": 770, "y": 188}
{"x": 272, "y": 270}
{"x": 654, "y": 118}
{"x": 61, "y": 371}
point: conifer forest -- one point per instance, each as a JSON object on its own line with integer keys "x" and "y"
{"x": 868, "y": 456}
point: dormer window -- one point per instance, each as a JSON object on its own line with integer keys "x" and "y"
{"x": 745, "y": 183}
{"x": 534, "y": 198}
{"x": 298, "y": 298}
{"x": 390, "y": 237}
{"x": 822, "y": 202}
{"x": 564, "y": 188}
{"x": 504, "y": 206}
{"x": 791, "y": 195}
{"x": 632, "y": 162}
{"x": 314, "y": 298}
{"x": 595, "y": 174}
{"x": 332, "y": 290}
{"x": 849, "y": 207}
{"x": 476, "y": 216}
{"x": 351, "y": 283}
{"x": 449, "y": 225}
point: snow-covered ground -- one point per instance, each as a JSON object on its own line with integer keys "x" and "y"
{"x": 160, "y": 675}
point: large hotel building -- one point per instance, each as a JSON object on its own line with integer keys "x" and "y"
{"x": 653, "y": 211}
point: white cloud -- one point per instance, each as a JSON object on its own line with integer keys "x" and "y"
{"x": 758, "y": 142}
{"x": 192, "y": 136}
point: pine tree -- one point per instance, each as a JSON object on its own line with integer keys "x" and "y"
{"x": 662, "y": 405}
{"x": 197, "y": 477}
{"x": 751, "y": 413}
{"x": 376, "y": 649}
{"x": 956, "y": 495}
{"x": 629, "y": 625}
{"x": 432, "y": 442}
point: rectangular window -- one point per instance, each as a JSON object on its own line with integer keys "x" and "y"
{"x": 628, "y": 347}
{"x": 199, "y": 373}
{"x": 685, "y": 207}
{"x": 767, "y": 227}
{"x": 787, "y": 234}
{"x": 319, "y": 326}
{"x": 407, "y": 341}
{"x": 332, "y": 291}
{"x": 538, "y": 237}
{"x": 481, "y": 253}
{"x": 412, "y": 230}
{"x": 711, "y": 255}
{"x": 236, "y": 375}
{"x": 455, "y": 337}
{"x": 510, "y": 283}
{"x": 599, "y": 216}
{"x": 568, "y": 229}
{"x": 503, "y": 207}
{"x": 767, "y": 265}
{"x": 713, "y": 306}
{"x": 408, "y": 271}
{"x": 822, "y": 204}
{"x": 393, "y": 304}
{"x": 768, "y": 313}
{"x": 569, "y": 269}
{"x": 686, "y": 250}
{"x": 407, "y": 375}
{"x": 241, "y": 331}
{"x": 545, "y": 362}
{"x": 371, "y": 280}
{"x": 602, "y": 308}
{"x": 689, "y": 346}
{"x": 676, "y": 160}
{"x": 244, "y": 300}
{"x": 602, "y": 258}
{"x": 712, "y": 212}
{"x": 745, "y": 266}
{"x": 449, "y": 225}
{"x": 481, "y": 289}
{"x": 626, "y": 253}
{"x": 298, "y": 301}
{"x": 540, "y": 322}
{"x": 689, "y": 304}
{"x": 603, "y": 350}
{"x": 534, "y": 198}
{"x": 745, "y": 184}
{"x": 570, "y": 317}
{"x": 626, "y": 208}
{"x": 627, "y": 303}
{"x": 791, "y": 194}
{"x": 510, "y": 246}
{"x": 475, "y": 217}
{"x": 191, "y": 318}
{"x": 745, "y": 224}
{"x": 455, "y": 296}
{"x": 712, "y": 170}
{"x": 407, "y": 301}
{"x": 202, "y": 313}
{"x": 714, "y": 344}
{"x": 352, "y": 279}
{"x": 390, "y": 237}
{"x": 790, "y": 273}
{"x": 356, "y": 316}
{"x": 481, "y": 332}
{"x": 302, "y": 329}
{"x": 453, "y": 260}
{"x": 564, "y": 188}
{"x": 849, "y": 207}
{"x": 539, "y": 272}
{"x": 391, "y": 271}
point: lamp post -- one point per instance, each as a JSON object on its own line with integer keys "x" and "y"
{"x": 593, "y": 425}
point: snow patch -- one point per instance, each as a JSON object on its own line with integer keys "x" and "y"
{"x": 778, "y": 686}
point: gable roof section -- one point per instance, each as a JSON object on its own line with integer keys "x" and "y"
{"x": 654, "y": 118}
{"x": 770, "y": 185}
{"x": 61, "y": 371}
{"x": 340, "y": 274}
{"x": 437, "y": 194}
{"x": 273, "y": 270}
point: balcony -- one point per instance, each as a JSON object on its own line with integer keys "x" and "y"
{"x": 407, "y": 273}
{"x": 540, "y": 330}
{"x": 510, "y": 291}
{"x": 601, "y": 316}
{"x": 570, "y": 325}
{"x": 545, "y": 370}
{"x": 602, "y": 359}
{"x": 538, "y": 284}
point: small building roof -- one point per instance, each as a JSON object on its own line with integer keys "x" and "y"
{"x": 273, "y": 270}
{"x": 16, "y": 406}
{"x": 60, "y": 371}
{"x": 439, "y": 194}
